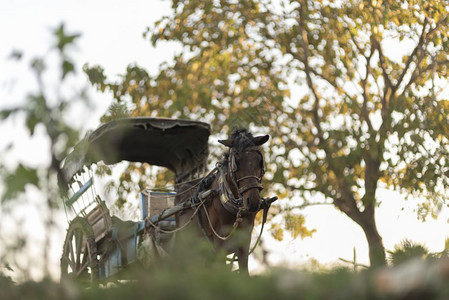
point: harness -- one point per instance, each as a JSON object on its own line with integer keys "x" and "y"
{"x": 232, "y": 203}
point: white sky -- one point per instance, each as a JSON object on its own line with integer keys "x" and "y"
{"x": 112, "y": 37}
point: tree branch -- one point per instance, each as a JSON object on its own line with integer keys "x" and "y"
{"x": 418, "y": 47}
{"x": 358, "y": 47}
{"x": 416, "y": 73}
{"x": 307, "y": 70}
{"x": 388, "y": 85}
{"x": 346, "y": 200}
{"x": 304, "y": 205}
{"x": 296, "y": 56}
{"x": 438, "y": 25}
{"x": 365, "y": 92}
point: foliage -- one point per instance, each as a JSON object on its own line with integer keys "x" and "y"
{"x": 407, "y": 250}
{"x": 296, "y": 224}
{"x": 44, "y": 115}
{"x": 425, "y": 282}
{"x": 190, "y": 272}
{"x": 347, "y": 110}
{"x": 40, "y": 109}
{"x": 16, "y": 181}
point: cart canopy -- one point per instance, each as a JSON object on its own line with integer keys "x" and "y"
{"x": 179, "y": 145}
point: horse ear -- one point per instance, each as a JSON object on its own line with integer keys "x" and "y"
{"x": 227, "y": 143}
{"x": 260, "y": 140}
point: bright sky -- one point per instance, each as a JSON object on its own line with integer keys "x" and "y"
{"x": 112, "y": 37}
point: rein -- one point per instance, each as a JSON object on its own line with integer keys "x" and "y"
{"x": 230, "y": 202}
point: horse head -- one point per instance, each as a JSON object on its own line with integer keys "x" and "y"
{"x": 245, "y": 167}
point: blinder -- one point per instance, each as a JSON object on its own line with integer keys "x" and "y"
{"x": 233, "y": 163}
{"x": 229, "y": 200}
{"x": 233, "y": 168}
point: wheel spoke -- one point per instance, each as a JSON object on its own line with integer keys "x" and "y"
{"x": 72, "y": 254}
{"x": 82, "y": 268}
{"x": 79, "y": 252}
{"x": 79, "y": 244}
{"x": 85, "y": 256}
{"x": 69, "y": 262}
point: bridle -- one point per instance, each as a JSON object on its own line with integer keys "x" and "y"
{"x": 232, "y": 203}
{"x": 233, "y": 168}
{"x": 227, "y": 174}
{"x": 224, "y": 170}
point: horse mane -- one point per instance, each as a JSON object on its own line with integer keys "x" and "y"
{"x": 242, "y": 139}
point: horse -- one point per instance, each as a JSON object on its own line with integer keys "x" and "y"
{"x": 226, "y": 201}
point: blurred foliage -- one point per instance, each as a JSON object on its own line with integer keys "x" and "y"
{"x": 172, "y": 280}
{"x": 42, "y": 108}
{"x": 407, "y": 250}
{"x": 351, "y": 93}
{"x": 192, "y": 271}
{"x": 296, "y": 224}
{"x": 45, "y": 116}
{"x": 16, "y": 181}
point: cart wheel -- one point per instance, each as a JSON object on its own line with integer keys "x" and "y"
{"x": 79, "y": 256}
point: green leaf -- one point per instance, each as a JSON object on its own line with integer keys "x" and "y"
{"x": 16, "y": 181}
{"x": 31, "y": 122}
{"x": 67, "y": 67}
{"x": 95, "y": 74}
{"x": 4, "y": 114}
{"x": 64, "y": 39}
{"x": 38, "y": 65}
{"x": 16, "y": 55}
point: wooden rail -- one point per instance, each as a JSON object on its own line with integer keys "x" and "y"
{"x": 78, "y": 194}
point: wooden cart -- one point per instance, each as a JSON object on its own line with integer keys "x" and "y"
{"x": 99, "y": 246}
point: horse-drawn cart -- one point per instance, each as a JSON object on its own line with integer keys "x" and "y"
{"x": 98, "y": 245}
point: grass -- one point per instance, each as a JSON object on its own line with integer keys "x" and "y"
{"x": 170, "y": 281}
{"x": 190, "y": 272}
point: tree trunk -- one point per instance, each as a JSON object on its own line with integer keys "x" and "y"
{"x": 366, "y": 220}
{"x": 376, "y": 248}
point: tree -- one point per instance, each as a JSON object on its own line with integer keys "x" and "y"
{"x": 45, "y": 114}
{"x": 348, "y": 114}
